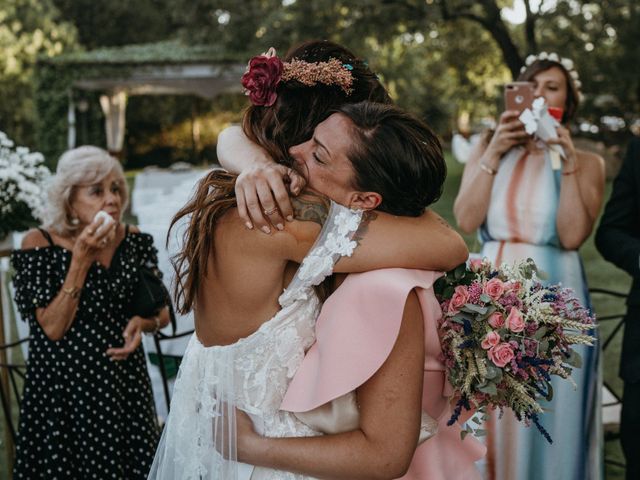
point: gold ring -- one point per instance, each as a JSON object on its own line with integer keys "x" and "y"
{"x": 270, "y": 212}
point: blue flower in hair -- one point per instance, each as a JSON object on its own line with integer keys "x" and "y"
{"x": 348, "y": 66}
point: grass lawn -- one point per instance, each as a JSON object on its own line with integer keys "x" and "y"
{"x": 600, "y": 274}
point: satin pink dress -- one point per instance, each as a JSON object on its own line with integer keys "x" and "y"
{"x": 355, "y": 333}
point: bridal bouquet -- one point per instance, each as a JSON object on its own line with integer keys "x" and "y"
{"x": 504, "y": 334}
{"x": 22, "y": 177}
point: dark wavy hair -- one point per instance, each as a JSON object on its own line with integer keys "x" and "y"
{"x": 396, "y": 155}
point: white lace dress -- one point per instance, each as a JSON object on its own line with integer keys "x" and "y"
{"x": 251, "y": 374}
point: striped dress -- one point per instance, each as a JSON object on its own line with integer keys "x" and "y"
{"x": 521, "y": 223}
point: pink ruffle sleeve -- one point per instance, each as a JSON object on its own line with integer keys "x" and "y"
{"x": 355, "y": 332}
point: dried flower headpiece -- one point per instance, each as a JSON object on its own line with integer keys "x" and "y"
{"x": 567, "y": 63}
{"x": 266, "y": 71}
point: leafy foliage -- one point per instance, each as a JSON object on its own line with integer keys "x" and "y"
{"x": 443, "y": 59}
{"x": 28, "y": 28}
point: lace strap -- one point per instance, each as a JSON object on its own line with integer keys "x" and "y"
{"x": 334, "y": 241}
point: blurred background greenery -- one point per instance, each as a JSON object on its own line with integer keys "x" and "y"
{"x": 445, "y": 60}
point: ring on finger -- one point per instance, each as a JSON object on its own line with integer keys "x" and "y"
{"x": 270, "y": 212}
{"x": 103, "y": 242}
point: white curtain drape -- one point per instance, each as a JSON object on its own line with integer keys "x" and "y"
{"x": 71, "y": 122}
{"x": 114, "y": 106}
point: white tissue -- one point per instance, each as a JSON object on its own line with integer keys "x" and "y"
{"x": 105, "y": 220}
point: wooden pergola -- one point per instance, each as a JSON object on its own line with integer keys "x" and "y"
{"x": 164, "y": 68}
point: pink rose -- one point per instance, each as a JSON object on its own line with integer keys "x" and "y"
{"x": 496, "y": 320}
{"x": 490, "y": 340}
{"x": 515, "y": 321}
{"x": 460, "y": 297}
{"x": 514, "y": 287}
{"x": 501, "y": 354}
{"x": 475, "y": 264}
{"x": 494, "y": 288}
{"x": 261, "y": 79}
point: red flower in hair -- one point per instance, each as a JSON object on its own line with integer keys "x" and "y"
{"x": 261, "y": 79}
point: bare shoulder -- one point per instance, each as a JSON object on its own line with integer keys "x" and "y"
{"x": 134, "y": 229}
{"x": 591, "y": 162}
{"x": 33, "y": 239}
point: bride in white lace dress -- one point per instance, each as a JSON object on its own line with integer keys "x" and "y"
{"x": 251, "y": 332}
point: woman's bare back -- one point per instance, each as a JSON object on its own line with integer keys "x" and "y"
{"x": 247, "y": 272}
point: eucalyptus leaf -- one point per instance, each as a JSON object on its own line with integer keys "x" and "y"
{"x": 489, "y": 388}
{"x": 575, "y": 360}
{"x": 541, "y": 332}
{"x": 474, "y": 308}
{"x": 447, "y": 293}
{"x": 485, "y": 298}
{"x": 490, "y": 310}
{"x": 469, "y": 278}
{"x": 492, "y": 372}
{"x": 459, "y": 272}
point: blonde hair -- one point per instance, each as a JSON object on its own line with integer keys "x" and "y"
{"x": 84, "y": 165}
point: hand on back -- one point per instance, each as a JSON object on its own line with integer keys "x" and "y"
{"x": 262, "y": 193}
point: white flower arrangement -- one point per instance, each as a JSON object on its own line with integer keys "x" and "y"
{"x": 22, "y": 179}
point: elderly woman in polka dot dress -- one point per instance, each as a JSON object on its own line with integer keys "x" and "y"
{"x": 88, "y": 409}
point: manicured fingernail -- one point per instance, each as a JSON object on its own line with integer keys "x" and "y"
{"x": 249, "y": 225}
{"x": 266, "y": 229}
{"x": 280, "y": 226}
{"x": 290, "y": 218}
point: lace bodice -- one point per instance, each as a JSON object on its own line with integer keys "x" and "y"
{"x": 253, "y": 373}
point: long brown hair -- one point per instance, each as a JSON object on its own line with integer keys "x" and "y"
{"x": 213, "y": 197}
{"x": 290, "y": 121}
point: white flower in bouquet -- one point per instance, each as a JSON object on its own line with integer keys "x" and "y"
{"x": 22, "y": 179}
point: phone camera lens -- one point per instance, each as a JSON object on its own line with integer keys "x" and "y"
{"x": 519, "y": 99}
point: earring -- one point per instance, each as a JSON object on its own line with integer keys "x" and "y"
{"x": 75, "y": 221}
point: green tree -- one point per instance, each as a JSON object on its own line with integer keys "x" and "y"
{"x": 28, "y": 28}
{"x": 118, "y": 22}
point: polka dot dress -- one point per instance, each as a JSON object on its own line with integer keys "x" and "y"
{"x": 83, "y": 415}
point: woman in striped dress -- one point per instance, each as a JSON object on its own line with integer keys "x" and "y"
{"x": 525, "y": 208}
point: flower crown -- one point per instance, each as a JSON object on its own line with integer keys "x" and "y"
{"x": 265, "y": 72}
{"x": 567, "y": 63}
